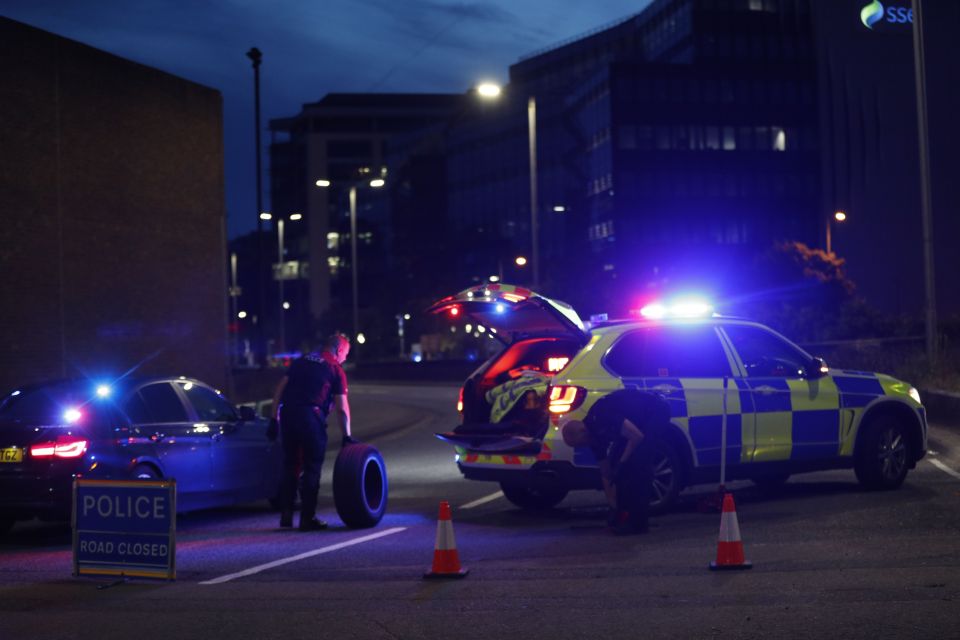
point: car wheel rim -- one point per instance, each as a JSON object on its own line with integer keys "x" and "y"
{"x": 892, "y": 454}
{"x": 662, "y": 479}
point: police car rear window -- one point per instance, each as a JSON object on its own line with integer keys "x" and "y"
{"x": 676, "y": 352}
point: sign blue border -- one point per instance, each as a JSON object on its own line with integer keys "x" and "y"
{"x": 125, "y": 528}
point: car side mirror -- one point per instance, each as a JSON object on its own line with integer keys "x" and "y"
{"x": 247, "y": 414}
{"x": 817, "y": 368}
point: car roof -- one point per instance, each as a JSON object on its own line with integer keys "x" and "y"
{"x": 617, "y": 326}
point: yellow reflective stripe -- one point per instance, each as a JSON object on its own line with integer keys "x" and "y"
{"x": 774, "y": 436}
{"x": 704, "y": 396}
{"x": 813, "y": 395}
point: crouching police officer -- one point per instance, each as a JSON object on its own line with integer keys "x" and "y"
{"x": 619, "y": 429}
{"x": 312, "y": 386}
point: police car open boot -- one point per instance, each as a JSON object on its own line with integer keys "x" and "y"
{"x": 313, "y": 524}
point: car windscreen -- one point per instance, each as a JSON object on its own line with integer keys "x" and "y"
{"x": 59, "y": 403}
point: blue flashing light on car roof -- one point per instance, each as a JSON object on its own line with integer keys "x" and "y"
{"x": 72, "y": 414}
{"x": 499, "y": 308}
{"x": 103, "y": 391}
{"x": 679, "y": 308}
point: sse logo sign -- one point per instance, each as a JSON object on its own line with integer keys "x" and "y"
{"x": 875, "y": 14}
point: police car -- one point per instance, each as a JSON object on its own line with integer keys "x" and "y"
{"x": 783, "y": 411}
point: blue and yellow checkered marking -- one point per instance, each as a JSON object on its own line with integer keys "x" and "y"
{"x": 786, "y": 418}
{"x": 857, "y": 391}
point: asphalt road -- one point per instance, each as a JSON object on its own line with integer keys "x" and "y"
{"x": 829, "y": 560}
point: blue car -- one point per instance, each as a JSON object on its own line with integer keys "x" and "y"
{"x": 150, "y": 428}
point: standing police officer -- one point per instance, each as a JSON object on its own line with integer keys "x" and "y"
{"x": 302, "y": 402}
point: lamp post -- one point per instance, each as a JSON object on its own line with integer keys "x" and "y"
{"x": 839, "y": 216}
{"x": 255, "y": 57}
{"x": 354, "y": 271}
{"x": 490, "y": 91}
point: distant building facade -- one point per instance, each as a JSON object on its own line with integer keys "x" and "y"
{"x": 344, "y": 140}
{"x": 113, "y": 233}
{"x": 675, "y": 146}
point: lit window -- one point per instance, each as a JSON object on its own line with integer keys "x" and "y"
{"x": 333, "y": 239}
{"x": 779, "y": 139}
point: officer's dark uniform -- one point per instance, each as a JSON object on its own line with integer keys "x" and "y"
{"x": 312, "y": 382}
{"x": 633, "y": 477}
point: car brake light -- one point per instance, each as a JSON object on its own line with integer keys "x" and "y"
{"x": 64, "y": 447}
{"x": 556, "y": 364}
{"x": 564, "y": 398}
{"x": 460, "y": 401}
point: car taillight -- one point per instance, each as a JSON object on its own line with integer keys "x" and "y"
{"x": 64, "y": 447}
{"x": 564, "y": 398}
{"x": 460, "y": 401}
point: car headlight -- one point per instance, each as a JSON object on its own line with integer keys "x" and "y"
{"x": 913, "y": 393}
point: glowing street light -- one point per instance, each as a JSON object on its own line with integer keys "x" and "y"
{"x": 265, "y": 215}
{"x": 490, "y": 91}
{"x": 839, "y": 216}
{"x": 520, "y": 261}
{"x": 376, "y": 183}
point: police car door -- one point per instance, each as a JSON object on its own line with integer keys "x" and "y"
{"x": 685, "y": 363}
{"x": 796, "y": 415}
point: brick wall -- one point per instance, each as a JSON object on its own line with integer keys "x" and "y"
{"x": 111, "y": 216}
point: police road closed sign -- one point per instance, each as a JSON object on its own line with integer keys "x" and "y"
{"x": 124, "y": 528}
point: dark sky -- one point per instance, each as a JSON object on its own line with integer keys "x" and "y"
{"x": 316, "y": 47}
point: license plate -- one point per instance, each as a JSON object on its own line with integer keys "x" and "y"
{"x": 11, "y": 455}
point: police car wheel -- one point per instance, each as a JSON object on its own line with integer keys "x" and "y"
{"x": 144, "y": 472}
{"x": 360, "y": 486}
{"x": 527, "y": 497}
{"x": 883, "y": 455}
{"x": 667, "y": 468}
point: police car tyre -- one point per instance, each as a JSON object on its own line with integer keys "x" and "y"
{"x": 360, "y": 486}
{"x": 533, "y": 498}
{"x": 883, "y": 454}
{"x": 667, "y": 472}
{"x": 144, "y": 472}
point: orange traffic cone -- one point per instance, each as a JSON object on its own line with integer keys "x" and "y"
{"x": 729, "y": 545}
{"x": 446, "y": 560}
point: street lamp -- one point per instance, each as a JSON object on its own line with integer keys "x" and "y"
{"x": 490, "y": 91}
{"x": 255, "y": 58}
{"x": 376, "y": 183}
{"x": 839, "y": 216}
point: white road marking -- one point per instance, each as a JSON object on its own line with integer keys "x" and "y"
{"x": 944, "y": 468}
{"x": 483, "y": 500}
{"x": 303, "y": 556}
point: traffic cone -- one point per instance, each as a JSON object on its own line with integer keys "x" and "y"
{"x": 446, "y": 560}
{"x": 729, "y": 545}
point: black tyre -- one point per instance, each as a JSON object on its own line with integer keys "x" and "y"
{"x": 360, "y": 486}
{"x": 771, "y": 484}
{"x": 144, "y": 472}
{"x": 883, "y": 454}
{"x": 533, "y": 498}
{"x": 667, "y": 468}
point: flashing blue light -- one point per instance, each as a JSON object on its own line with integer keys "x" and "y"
{"x": 103, "y": 391}
{"x": 15, "y": 393}
{"x": 417, "y": 357}
{"x": 499, "y": 308}
{"x": 678, "y": 308}
{"x": 72, "y": 415}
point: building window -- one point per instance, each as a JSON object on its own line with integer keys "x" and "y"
{"x": 627, "y": 138}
